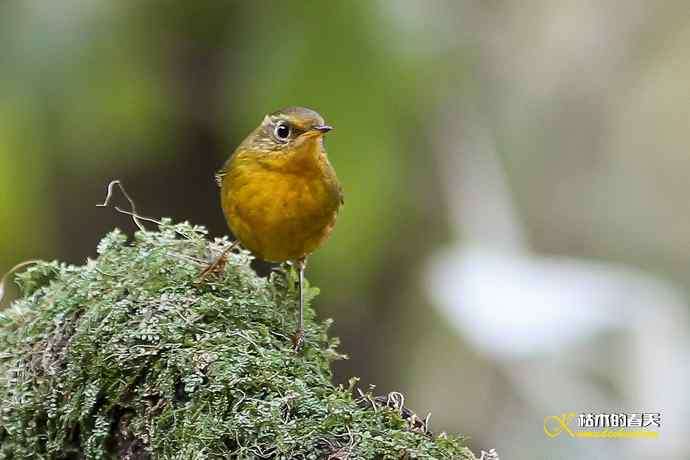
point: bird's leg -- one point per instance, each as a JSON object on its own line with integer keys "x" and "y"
{"x": 298, "y": 337}
{"x": 217, "y": 263}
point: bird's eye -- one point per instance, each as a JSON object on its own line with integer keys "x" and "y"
{"x": 282, "y": 132}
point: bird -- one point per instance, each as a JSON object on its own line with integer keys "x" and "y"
{"x": 280, "y": 194}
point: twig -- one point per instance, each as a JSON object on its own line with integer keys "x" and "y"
{"x": 135, "y": 217}
{"x": 6, "y": 276}
{"x": 490, "y": 455}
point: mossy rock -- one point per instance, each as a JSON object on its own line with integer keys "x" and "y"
{"x": 129, "y": 356}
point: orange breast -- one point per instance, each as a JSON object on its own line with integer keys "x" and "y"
{"x": 279, "y": 215}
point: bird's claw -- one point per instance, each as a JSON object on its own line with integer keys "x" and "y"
{"x": 218, "y": 264}
{"x": 298, "y": 340}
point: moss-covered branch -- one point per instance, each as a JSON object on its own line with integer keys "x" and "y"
{"x": 130, "y": 357}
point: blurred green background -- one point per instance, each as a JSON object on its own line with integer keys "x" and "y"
{"x": 581, "y": 108}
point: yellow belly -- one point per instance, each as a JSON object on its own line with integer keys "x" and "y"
{"x": 277, "y": 215}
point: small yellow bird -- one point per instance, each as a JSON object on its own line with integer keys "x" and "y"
{"x": 279, "y": 192}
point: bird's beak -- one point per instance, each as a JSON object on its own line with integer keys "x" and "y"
{"x": 317, "y": 131}
{"x": 323, "y": 129}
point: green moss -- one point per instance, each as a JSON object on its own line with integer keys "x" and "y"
{"x": 129, "y": 357}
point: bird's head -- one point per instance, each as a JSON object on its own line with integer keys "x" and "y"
{"x": 286, "y": 130}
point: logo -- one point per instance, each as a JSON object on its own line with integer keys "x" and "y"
{"x": 603, "y": 425}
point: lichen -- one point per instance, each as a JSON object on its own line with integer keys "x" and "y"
{"x": 130, "y": 356}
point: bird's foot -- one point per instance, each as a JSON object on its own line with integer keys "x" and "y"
{"x": 298, "y": 339}
{"x": 217, "y": 266}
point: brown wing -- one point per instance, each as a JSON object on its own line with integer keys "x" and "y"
{"x": 219, "y": 177}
